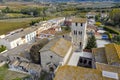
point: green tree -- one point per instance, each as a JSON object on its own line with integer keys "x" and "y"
{"x": 116, "y": 39}
{"x": 91, "y": 43}
{"x": 2, "y": 48}
{"x": 34, "y": 51}
{"x": 115, "y": 16}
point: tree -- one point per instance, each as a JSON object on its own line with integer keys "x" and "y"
{"x": 91, "y": 43}
{"x": 2, "y": 48}
{"x": 116, "y": 39}
{"x": 115, "y": 16}
{"x": 34, "y": 51}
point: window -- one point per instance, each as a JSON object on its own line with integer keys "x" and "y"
{"x": 81, "y": 24}
{"x": 76, "y": 24}
{"x": 74, "y": 32}
{"x": 51, "y": 57}
{"x": 80, "y": 32}
{"x": 85, "y": 61}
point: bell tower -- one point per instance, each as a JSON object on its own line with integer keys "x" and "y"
{"x": 78, "y": 32}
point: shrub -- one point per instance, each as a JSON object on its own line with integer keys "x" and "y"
{"x": 2, "y": 48}
{"x": 98, "y": 24}
{"x": 116, "y": 39}
{"x": 110, "y": 30}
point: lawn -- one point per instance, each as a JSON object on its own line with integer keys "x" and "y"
{"x": 6, "y": 74}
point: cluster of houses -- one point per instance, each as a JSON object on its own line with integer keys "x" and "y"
{"x": 19, "y": 61}
{"x": 22, "y": 36}
{"x": 64, "y": 55}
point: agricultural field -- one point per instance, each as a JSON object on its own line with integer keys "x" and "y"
{"x": 12, "y": 24}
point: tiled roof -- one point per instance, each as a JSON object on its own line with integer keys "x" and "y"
{"x": 49, "y": 31}
{"x": 79, "y": 20}
{"x": 99, "y": 54}
{"x": 106, "y": 67}
{"x": 77, "y": 73}
{"x": 61, "y": 47}
{"x": 112, "y": 53}
{"x": 110, "y": 68}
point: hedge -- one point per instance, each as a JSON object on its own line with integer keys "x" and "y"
{"x": 110, "y": 30}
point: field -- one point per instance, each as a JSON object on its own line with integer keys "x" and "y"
{"x": 12, "y": 24}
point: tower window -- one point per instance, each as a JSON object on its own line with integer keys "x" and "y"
{"x": 80, "y": 32}
{"x": 51, "y": 57}
{"x": 81, "y": 24}
{"x": 74, "y": 32}
{"x": 76, "y": 24}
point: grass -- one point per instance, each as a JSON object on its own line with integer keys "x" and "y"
{"x": 12, "y": 24}
{"x": 6, "y": 74}
{"x": 16, "y": 15}
{"x": 6, "y": 27}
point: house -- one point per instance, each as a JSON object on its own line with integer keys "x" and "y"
{"x": 79, "y": 73}
{"x": 57, "y": 21}
{"x": 104, "y": 15}
{"x": 30, "y": 68}
{"x": 91, "y": 29}
{"x": 20, "y": 37}
{"x": 91, "y": 15}
{"x": 108, "y": 54}
{"x": 19, "y": 53}
{"x": 55, "y": 53}
{"x": 50, "y": 33}
{"x": 91, "y": 21}
{"x": 78, "y": 31}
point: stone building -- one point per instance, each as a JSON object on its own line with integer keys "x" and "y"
{"x": 78, "y": 28}
{"x": 55, "y": 53}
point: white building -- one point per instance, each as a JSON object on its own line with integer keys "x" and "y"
{"x": 15, "y": 39}
{"x": 91, "y": 15}
{"x": 78, "y": 29}
{"x": 21, "y": 36}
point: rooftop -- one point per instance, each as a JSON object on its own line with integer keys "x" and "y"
{"x": 27, "y": 65}
{"x": 112, "y": 53}
{"x": 79, "y": 20}
{"x": 20, "y": 34}
{"x": 49, "y": 31}
{"x": 106, "y": 67}
{"x": 59, "y": 46}
{"x": 79, "y": 73}
{"x": 108, "y": 54}
{"x": 99, "y": 54}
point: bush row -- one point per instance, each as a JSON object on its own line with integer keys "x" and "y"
{"x": 110, "y": 30}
